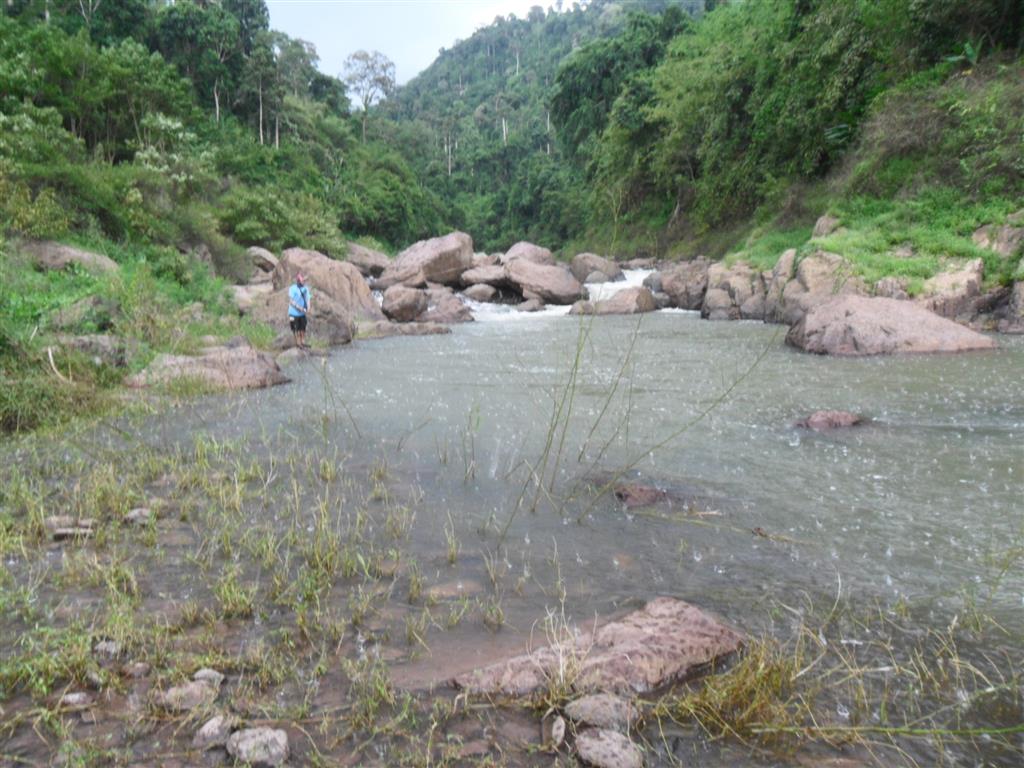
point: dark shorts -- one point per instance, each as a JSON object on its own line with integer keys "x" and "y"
{"x": 298, "y": 324}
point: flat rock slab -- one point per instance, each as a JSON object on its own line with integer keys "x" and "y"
{"x": 260, "y": 747}
{"x": 603, "y": 710}
{"x": 239, "y": 367}
{"x": 662, "y": 643}
{"x": 607, "y": 749}
{"x": 384, "y": 329}
{"x": 858, "y": 326}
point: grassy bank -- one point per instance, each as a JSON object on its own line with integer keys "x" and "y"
{"x": 158, "y": 301}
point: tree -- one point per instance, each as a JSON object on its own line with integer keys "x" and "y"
{"x": 371, "y": 76}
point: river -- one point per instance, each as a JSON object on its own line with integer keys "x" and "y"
{"x": 915, "y": 514}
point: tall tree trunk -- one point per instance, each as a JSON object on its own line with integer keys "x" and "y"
{"x": 277, "y": 131}
{"x": 260, "y": 89}
{"x": 216, "y": 99}
{"x": 364, "y": 126}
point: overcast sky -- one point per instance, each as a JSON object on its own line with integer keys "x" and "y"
{"x": 409, "y": 32}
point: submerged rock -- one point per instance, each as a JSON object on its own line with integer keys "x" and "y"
{"x": 659, "y": 644}
{"x": 259, "y": 747}
{"x": 636, "y": 495}
{"x": 603, "y": 710}
{"x": 820, "y": 420}
{"x": 607, "y": 749}
{"x": 857, "y": 326}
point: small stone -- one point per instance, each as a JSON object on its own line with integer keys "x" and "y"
{"x": 187, "y": 696}
{"x": 259, "y": 747}
{"x": 552, "y": 731}
{"x": 107, "y": 649}
{"x": 211, "y": 676}
{"x": 62, "y": 527}
{"x": 76, "y": 700}
{"x": 607, "y": 749}
{"x": 136, "y": 669}
{"x": 215, "y": 732}
{"x": 603, "y": 710}
{"x": 140, "y": 516}
{"x": 475, "y": 748}
{"x": 95, "y": 680}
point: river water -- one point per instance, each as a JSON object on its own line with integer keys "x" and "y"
{"x": 919, "y": 507}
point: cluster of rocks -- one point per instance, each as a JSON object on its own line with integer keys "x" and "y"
{"x": 833, "y": 311}
{"x": 666, "y": 641}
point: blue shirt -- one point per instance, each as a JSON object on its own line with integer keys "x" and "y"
{"x": 300, "y": 296}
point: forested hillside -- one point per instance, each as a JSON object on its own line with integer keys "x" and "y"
{"x": 483, "y": 109}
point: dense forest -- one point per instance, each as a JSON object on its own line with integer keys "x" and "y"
{"x": 155, "y": 132}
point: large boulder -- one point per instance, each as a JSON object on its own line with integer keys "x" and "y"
{"x": 818, "y": 278}
{"x": 49, "y": 255}
{"x": 628, "y": 301}
{"x": 329, "y": 320}
{"x": 733, "y": 293}
{"x": 585, "y": 264}
{"x": 529, "y": 252}
{"x": 552, "y": 284}
{"x": 235, "y": 367}
{"x": 403, "y": 304}
{"x": 339, "y": 280}
{"x": 262, "y": 259}
{"x": 494, "y": 275}
{"x": 665, "y": 641}
{"x": 954, "y": 292}
{"x": 369, "y": 262}
{"x": 825, "y": 226}
{"x": 686, "y": 283}
{"x": 856, "y": 326}
{"x": 481, "y": 292}
{"x": 246, "y": 296}
{"x": 1012, "y": 320}
{"x": 92, "y": 310}
{"x": 1007, "y": 240}
{"x": 102, "y": 348}
{"x": 445, "y": 307}
{"x": 438, "y": 260}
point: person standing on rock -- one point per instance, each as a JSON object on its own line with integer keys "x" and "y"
{"x": 298, "y": 309}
